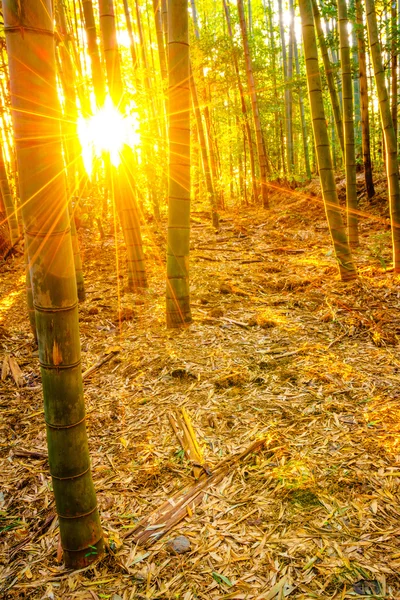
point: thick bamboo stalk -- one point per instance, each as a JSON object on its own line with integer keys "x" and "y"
{"x": 337, "y": 229}
{"x": 329, "y": 76}
{"x": 30, "y": 47}
{"x": 392, "y": 166}
{"x": 365, "y": 133}
{"x": 262, "y": 158}
{"x": 348, "y": 125}
{"x": 178, "y": 297}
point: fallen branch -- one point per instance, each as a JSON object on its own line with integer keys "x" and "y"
{"x": 176, "y": 508}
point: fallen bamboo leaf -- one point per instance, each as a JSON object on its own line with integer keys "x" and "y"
{"x": 16, "y": 372}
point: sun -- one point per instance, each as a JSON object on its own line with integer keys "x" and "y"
{"x": 108, "y": 130}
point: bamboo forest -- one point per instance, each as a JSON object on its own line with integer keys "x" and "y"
{"x": 199, "y": 299}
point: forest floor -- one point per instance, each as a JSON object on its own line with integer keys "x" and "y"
{"x": 279, "y": 350}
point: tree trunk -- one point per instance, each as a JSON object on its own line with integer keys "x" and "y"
{"x": 348, "y": 123}
{"x": 392, "y": 166}
{"x": 30, "y": 46}
{"x": 337, "y": 229}
{"x": 329, "y": 76}
{"x": 178, "y": 297}
{"x": 366, "y": 149}
{"x": 262, "y": 158}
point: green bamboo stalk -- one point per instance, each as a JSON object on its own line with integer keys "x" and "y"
{"x": 111, "y": 53}
{"x": 337, "y": 229}
{"x": 69, "y": 127}
{"x": 6, "y": 193}
{"x": 365, "y": 131}
{"x": 302, "y": 113}
{"x": 123, "y": 175}
{"x": 160, "y": 39}
{"x": 204, "y": 153}
{"x": 178, "y": 297}
{"x": 243, "y": 106}
{"x": 329, "y": 76}
{"x": 262, "y": 157}
{"x": 30, "y": 47}
{"x": 348, "y": 123}
{"x": 392, "y": 166}
{"x": 99, "y": 85}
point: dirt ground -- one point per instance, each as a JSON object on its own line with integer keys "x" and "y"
{"x": 279, "y": 350}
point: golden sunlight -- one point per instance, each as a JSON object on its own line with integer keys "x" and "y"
{"x": 107, "y": 131}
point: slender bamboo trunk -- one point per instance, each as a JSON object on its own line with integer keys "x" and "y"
{"x": 6, "y": 194}
{"x": 195, "y": 19}
{"x": 93, "y": 51}
{"x": 290, "y": 86}
{"x": 160, "y": 39}
{"x": 337, "y": 229}
{"x": 178, "y": 296}
{"x": 30, "y": 46}
{"x": 388, "y": 131}
{"x": 29, "y": 294}
{"x": 277, "y": 115}
{"x": 242, "y": 104}
{"x": 74, "y": 163}
{"x": 365, "y": 134}
{"x": 204, "y": 153}
{"x": 356, "y": 84}
{"x": 122, "y": 176}
{"x": 164, "y": 19}
{"x": 129, "y": 28}
{"x": 302, "y": 113}
{"x": 285, "y": 78}
{"x": 329, "y": 76}
{"x": 111, "y": 53}
{"x": 394, "y": 52}
{"x": 348, "y": 123}
{"x": 262, "y": 158}
{"x": 250, "y": 13}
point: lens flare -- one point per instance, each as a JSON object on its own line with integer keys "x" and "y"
{"x": 107, "y": 131}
